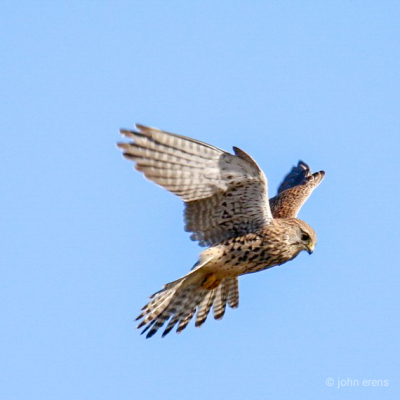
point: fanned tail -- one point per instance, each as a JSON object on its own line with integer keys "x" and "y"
{"x": 178, "y": 301}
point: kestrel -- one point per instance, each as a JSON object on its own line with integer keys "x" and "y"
{"x": 226, "y": 209}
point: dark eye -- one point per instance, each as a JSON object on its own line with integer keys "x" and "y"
{"x": 305, "y": 237}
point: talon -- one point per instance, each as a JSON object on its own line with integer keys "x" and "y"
{"x": 210, "y": 282}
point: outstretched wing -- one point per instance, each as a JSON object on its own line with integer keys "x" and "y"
{"x": 294, "y": 191}
{"x": 225, "y": 195}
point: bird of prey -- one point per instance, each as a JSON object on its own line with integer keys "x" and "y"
{"x": 226, "y": 209}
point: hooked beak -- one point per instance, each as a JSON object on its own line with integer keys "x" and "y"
{"x": 310, "y": 248}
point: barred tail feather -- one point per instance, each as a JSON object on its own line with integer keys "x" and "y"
{"x": 204, "y": 308}
{"x": 220, "y": 300}
{"x": 179, "y": 301}
{"x": 233, "y": 292}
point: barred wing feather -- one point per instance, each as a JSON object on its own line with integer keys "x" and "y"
{"x": 225, "y": 194}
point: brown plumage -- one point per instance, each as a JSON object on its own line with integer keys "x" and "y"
{"x": 294, "y": 191}
{"x": 226, "y": 208}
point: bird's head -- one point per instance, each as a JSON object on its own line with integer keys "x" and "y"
{"x": 300, "y": 236}
{"x": 307, "y": 238}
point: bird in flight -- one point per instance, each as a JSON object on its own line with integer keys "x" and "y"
{"x": 228, "y": 211}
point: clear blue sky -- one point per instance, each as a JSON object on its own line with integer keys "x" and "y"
{"x": 85, "y": 239}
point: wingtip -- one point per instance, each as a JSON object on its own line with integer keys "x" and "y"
{"x": 146, "y": 130}
{"x": 122, "y": 145}
{"x": 127, "y": 132}
{"x": 302, "y": 164}
{"x": 141, "y": 127}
